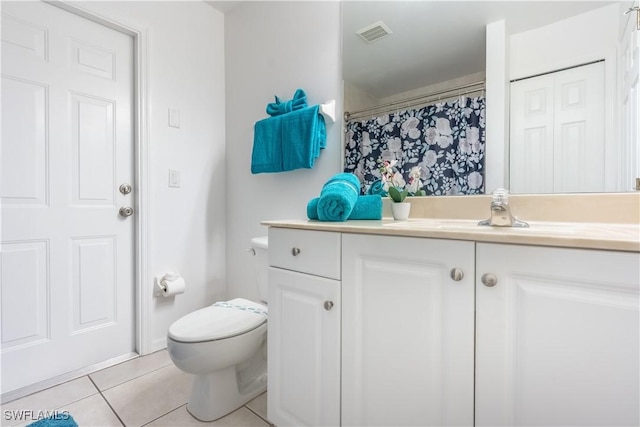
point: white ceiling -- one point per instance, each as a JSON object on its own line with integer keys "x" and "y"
{"x": 434, "y": 41}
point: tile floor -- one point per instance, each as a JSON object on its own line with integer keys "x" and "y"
{"x": 146, "y": 391}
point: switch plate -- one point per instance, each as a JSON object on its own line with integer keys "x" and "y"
{"x": 174, "y": 118}
{"x": 174, "y": 178}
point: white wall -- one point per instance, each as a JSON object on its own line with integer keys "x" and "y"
{"x": 356, "y": 99}
{"x": 496, "y": 161}
{"x": 187, "y": 224}
{"x": 434, "y": 88}
{"x": 273, "y": 48}
{"x": 583, "y": 38}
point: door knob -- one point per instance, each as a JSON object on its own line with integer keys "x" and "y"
{"x": 489, "y": 279}
{"x": 126, "y": 211}
{"x": 125, "y": 189}
{"x": 328, "y": 305}
{"x": 295, "y": 251}
{"x": 456, "y": 274}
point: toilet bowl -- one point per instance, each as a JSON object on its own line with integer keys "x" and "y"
{"x": 225, "y": 347}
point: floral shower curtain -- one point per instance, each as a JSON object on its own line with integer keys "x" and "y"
{"x": 445, "y": 140}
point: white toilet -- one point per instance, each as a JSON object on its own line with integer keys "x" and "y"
{"x": 225, "y": 347}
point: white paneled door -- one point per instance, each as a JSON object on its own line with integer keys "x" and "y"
{"x": 557, "y": 136}
{"x": 67, "y": 260}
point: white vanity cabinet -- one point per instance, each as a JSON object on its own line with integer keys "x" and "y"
{"x": 557, "y": 336}
{"x": 407, "y": 331}
{"x": 304, "y": 328}
{"x": 368, "y": 330}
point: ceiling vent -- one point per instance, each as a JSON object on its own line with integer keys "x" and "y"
{"x": 374, "y": 32}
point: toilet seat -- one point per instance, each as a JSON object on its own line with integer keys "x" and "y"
{"x": 221, "y": 320}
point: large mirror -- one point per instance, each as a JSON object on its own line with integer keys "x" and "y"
{"x": 438, "y": 49}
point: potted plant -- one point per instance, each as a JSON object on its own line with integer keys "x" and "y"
{"x": 399, "y": 208}
{"x": 394, "y": 184}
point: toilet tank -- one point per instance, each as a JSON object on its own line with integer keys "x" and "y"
{"x": 260, "y": 246}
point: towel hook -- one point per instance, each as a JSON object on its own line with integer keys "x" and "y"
{"x": 328, "y": 111}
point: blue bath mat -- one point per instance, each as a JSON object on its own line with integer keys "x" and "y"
{"x": 65, "y": 420}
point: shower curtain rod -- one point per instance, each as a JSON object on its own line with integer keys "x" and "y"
{"x": 417, "y": 100}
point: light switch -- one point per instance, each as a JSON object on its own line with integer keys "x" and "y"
{"x": 174, "y": 118}
{"x": 174, "y": 178}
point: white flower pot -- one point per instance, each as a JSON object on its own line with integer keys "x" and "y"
{"x": 400, "y": 211}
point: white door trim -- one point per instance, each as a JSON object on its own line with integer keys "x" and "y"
{"x": 141, "y": 162}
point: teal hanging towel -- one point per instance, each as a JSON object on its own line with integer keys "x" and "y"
{"x": 304, "y": 134}
{"x": 291, "y": 139}
{"x": 278, "y": 108}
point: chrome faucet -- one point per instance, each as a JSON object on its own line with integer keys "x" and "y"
{"x": 500, "y": 212}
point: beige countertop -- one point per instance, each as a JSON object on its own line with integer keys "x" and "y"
{"x": 609, "y": 221}
{"x": 619, "y": 237}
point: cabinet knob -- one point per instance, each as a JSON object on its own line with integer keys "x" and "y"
{"x": 328, "y": 305}
{"x": 489, "y": 279}
{"x": 295, "y": 251}
{"x": 457, "y": 274}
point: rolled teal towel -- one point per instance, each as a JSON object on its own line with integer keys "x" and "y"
{"x": 298, "y": 102}
{"x": 304, "y": 134}
{"x": 366, "y": 207}
{"x": 377, "y": 188}
{"x": 338, "y": 197}
{"x": 312, "y": 208}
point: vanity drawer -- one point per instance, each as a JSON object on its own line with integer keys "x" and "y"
{"x": 312, "y": 252}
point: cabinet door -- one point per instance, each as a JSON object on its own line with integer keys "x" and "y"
{"x": 557, "y": 337}
{"x": 407, "y": 331}
{"x": 304, "y": 349}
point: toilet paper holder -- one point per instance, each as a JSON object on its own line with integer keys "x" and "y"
{"x": 160, "y": 285}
